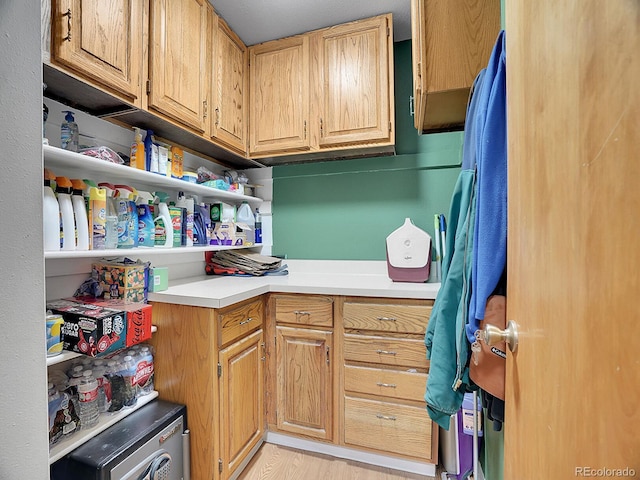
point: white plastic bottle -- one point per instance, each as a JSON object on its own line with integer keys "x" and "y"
{"x": 69, "y": 132}
{"x": 88, "y": 400}
{"x": 51, "y": 214}
{"x": 80, "y": 214}
{"x": 104, "y": 386}
{"x": 67, "y": 222}
{"x": 145, "y": 371}
{"x": 245, "y": 216}
{"x": 188, "y": 205}
{"x": 162, "y": 222}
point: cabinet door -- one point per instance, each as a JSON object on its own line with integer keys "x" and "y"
{"x": 279, "y": 92}
{"x": 228, "y": 90}
{"x": 101, "y": 40}
{"x": 178, "y": 68}
{"x": 418, "y": 60}
{"x": 304, "y": 396}
{"x": 241, "y": 400}
{"x": 355, "y": 62}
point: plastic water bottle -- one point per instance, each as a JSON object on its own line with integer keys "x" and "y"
{"x": 117, "y": 386}
{"x": 104, "y": 386}
{"x": 128, "y": 369}
{"x": 145, "y": 371}
{"x": 88, "y": 400}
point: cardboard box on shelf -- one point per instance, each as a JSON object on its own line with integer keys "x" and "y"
{"x": 228, "y": 233}
{"x": 123, "y": 281}
{"x": 159, "y": 279}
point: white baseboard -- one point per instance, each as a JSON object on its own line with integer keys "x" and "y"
{"x": 420, "y": 468}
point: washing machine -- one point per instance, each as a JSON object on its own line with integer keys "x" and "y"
{"x": 152, "y": 443}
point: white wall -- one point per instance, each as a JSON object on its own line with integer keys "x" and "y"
{"x": 24, "y": 452}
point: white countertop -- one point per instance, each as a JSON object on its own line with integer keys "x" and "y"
{"x": 325, "y": 277}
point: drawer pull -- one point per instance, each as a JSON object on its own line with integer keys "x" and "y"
{"x": 244, "y": 322}
{"x": 301, "y": 312}
{"x": 386, "y": 352}
{"x": 388, "y": 385}
{"x": 385, "y": 417}
{"x": 387, "y": 319}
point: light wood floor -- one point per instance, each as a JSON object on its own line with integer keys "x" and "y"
{"x": 274, "y": 462}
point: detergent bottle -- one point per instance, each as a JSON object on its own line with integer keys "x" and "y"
{"x": 162, "y": 222}
{"x": 51, "y": 214}
{"x": 67, "y": 221}
{"x": 80, "y": 214}
{"x": 127, "y": 216}
{"x": 188, "y": 205}
{"x": 146, "y": 225}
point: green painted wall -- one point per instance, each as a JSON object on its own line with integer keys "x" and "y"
{"x": 344, "y": 209}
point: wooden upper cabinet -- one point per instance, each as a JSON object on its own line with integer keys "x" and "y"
{"x": 279, "y": 92}
{"x": 452, "y": 42}
{"x": 229, "y": 92}
{"x": 178, "y": 61}
{"x": 354, "y": 65}
{"x": 102, "y": 41}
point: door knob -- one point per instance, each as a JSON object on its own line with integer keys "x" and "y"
{"x": 493, "y": 335}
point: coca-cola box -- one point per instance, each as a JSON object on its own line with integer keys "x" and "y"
{"x": 93, "y": 330}
{"x": 138, "y": 317}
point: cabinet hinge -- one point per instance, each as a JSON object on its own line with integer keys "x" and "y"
{"x": 148, "y": 87}
{"x": 219, "y": 370}
{"x": 220, "y": 465}
{"x": 388, "y": 29}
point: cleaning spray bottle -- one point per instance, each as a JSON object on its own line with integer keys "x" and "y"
{"x": 67, "y": 222}
{"x": 146, "y": 225}
{"x": 69, "y": 132}
{"x": 80, "y": 214}
{"x": 51, "y": 214}
{"x": 188, "y": 204}
{"x": 127, "y": 217}
{"x": 111, "y": 216}
{"x": 162, "y": 222}
{"x": 137, "y": 159}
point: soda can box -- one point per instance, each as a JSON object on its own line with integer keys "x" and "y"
{"x": 137, "y": 317}
{"x": 91, "y": 329}
{"x": 122, "y": 280}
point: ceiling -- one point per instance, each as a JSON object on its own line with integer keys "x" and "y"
{"x": 256, "y": 21}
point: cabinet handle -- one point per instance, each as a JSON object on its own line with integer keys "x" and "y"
{"x": 386, "y": 319}
{"x": 385, "y": 417}
{"x": 321, "y": 129}
{"x": 68, "y": 15}
{"x": 305, "y": 129}
{"x": 386, "y": 352}
{"x": 244, "y": 322}
{"x": 388, "y": 385}
{"x": 204, "y": 108}
{"x": 328, "y": 356}
{"x": 301, "y": 312}
{"x": 217, "y": 117}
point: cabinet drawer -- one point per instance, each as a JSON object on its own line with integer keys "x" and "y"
{"x": 389, "y": 427}
{"x": 388, "y": 383}
{"x": 304, "y": 310}
{"x": 235, "y": 323}
{"x": 404, "y": 352}
{"x": 386, "y": 317}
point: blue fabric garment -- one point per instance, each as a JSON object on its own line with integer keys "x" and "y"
{"x": 490, "y": 233}
{"x": 447, "y": 348}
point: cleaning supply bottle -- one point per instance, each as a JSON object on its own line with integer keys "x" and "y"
{"x": 127, "y": 217}
{"x": 177, "y": 155}
{"x": 188, "y": 204}
{"x": 137, "y": 158}
{"x": 67, "y": 221}
{"x": 69, "y": 132}
{"x": 98, "y": 218}
{"x": 244, "y": 217}
{"x": 178, "y": 221}
{"x": 257, "y": 227}
{"x": 51, "y": 214}
{"x": 80, "y": 213}
{"x": 111, "y": 216}
{"x": 150, "y": 152}
{"x": 162, "y": 222}
{"x": 146, "y": 225}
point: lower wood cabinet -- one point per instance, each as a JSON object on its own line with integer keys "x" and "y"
{"x": 304, "y": 380}
{"x": 241, "y": 386}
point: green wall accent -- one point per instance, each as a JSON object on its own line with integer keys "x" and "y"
{"x": 344, "y": 209}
